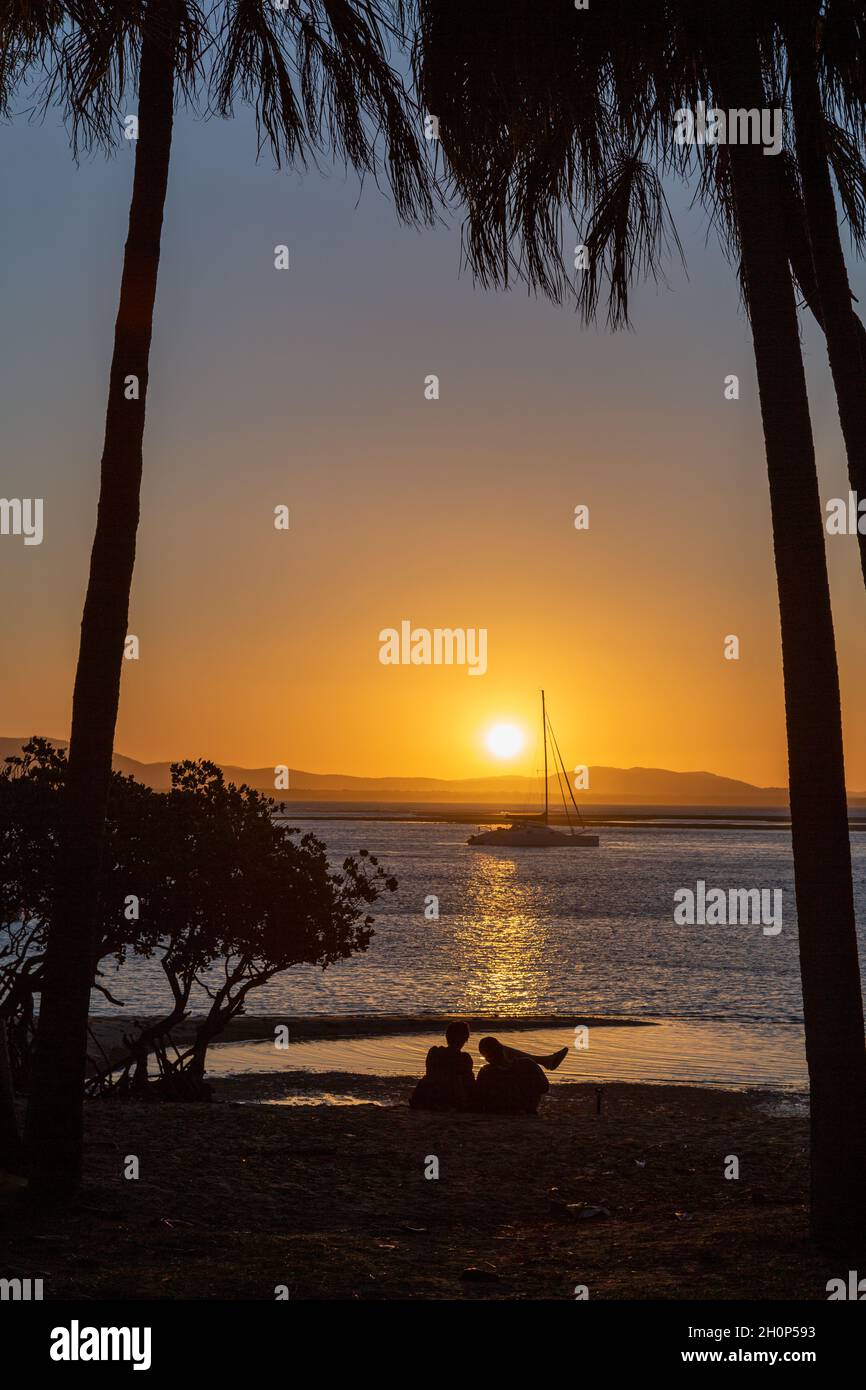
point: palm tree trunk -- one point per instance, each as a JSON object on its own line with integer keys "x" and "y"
{"x": 55, "y": 1112}
{"x": 842, "y": 328}
{"x": 802, "y": 265}
{"x": 11, "y": 1149}
{"x": 832, "y": 1004}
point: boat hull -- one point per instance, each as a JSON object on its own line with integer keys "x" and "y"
{"x": 543, "y": 838}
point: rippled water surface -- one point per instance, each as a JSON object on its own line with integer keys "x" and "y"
{"x": 536, "y": 931}
{"x": 733, "y": 1055}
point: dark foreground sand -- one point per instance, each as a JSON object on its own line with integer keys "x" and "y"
{"x": 235, "y": 1198}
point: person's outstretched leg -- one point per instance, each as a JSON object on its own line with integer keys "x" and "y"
{"x": 550, "y": 1061}
{"x": 553, "y": 1059}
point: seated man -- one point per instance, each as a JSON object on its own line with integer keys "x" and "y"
{"x": 448, "y": 1083}
{"x": 510, "y": 1084}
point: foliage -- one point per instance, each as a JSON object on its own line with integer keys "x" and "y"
{"x": 569, "y": 123}
{"x": 202, "y": 878}
{"x": 319, "y": 76}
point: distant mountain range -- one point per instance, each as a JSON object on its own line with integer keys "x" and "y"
{"x": 649, "y": 786}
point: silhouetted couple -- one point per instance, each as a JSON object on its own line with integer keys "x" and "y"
{"x": 510, "y": 1083}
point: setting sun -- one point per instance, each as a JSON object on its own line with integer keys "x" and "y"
{"x": 504, "y": 740}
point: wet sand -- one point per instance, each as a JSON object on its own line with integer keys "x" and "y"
{"x": 734, "y": 1056}
{"x": 676, "y": 1051}
{"x": 108, "y": 1030}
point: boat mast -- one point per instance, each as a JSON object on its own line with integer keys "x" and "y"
{"x": 544, "y": 732}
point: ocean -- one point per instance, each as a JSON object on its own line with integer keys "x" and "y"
{"x": 525, "y": 932}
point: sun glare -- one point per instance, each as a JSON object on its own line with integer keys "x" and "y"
{"x": 504, "y": 740}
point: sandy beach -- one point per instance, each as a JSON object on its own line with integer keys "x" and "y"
{"x": 620, "y": 1188}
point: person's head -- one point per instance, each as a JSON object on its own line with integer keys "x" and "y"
{"x": 492, "y": 1051}
{"x": 457, "y": 1035}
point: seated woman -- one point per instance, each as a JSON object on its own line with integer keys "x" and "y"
{"x": 511, "y": 1083}
{"x": 448, "y": 1082}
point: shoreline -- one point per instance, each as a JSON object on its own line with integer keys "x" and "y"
{"x": 612, "y": 816}
{"x": 108, "y": 1029}
{"x": 330, "y": 1088}
{"x": 368, "y": 1054}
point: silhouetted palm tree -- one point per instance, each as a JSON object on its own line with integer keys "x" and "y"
{"x": 835, "y": 43}
{"x": 28, "y": 33}
{"x": 32, "y": 38}
{"x": 832, "y": 1001}
{"x": 814, "y": 70}
{"x": 813, "y": 53}
{"x": 547, "y": 113}
{"x": 11, "y": 1149}
{"x": 318, "y": 75}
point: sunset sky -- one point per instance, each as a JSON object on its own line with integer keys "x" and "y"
{"x": 306, "y": 388}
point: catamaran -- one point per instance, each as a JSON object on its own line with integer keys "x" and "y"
{"x": 534, "y": 832}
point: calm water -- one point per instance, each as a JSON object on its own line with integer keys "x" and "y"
{"x": 525, "y": 932}
{"x": 697, "y": 1051}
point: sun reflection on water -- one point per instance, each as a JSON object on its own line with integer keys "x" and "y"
{"x": 501, "y": 938}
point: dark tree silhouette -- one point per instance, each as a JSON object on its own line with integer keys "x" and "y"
{"x": 11, "y": 1148}
{"x": 31, "y": 799}
{"x": 240, "y": 900}
{"x": 29, "y": 36}
{"x": 225, "y": 897}
{"x": 54, "y": 1117}
{"x": 829, "y": 966}
{"x": 555, "y": 113}
{"x": 815, "y": 77}
{"x": 318, "y": 75}
{"x": 816, "y": 135}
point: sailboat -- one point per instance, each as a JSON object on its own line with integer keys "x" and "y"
{"x": 534, "y": 832}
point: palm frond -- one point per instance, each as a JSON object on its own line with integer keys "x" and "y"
{"x": 319, "y": 77}
{"x": 630, "y": 234}
{"x": 849, "y": 170}
{"x": 27, "y": 35}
